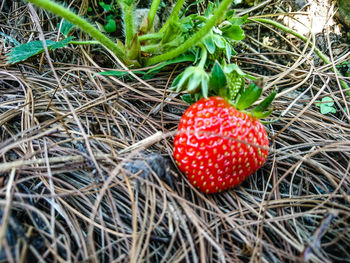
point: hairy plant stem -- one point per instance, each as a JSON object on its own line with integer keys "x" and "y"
{"x": 195, "y": 39}
{"x": 152, "y": 13}
{"x": 128, "y": 12}
{"x": 152, "y": 49}
{"x": 318, "y": 52}
{"x": 151, "y": 36}
{"x": 79, "y": 22}
{"x": 173, "y": 15}
{"x": 204, "y": 55}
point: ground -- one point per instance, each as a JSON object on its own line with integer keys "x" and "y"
{"x": 86, "y": 166}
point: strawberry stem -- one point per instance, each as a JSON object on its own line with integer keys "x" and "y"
{"x": 128, "y": 13}
{"x": 204, "y": 55}
{"x": 173, "y": 15}
{"x": 152, "y": 13}
{"x": 150, "y": 36}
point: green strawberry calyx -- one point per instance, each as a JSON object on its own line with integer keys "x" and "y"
{"x": 227, "y": 82}
{"x": 247, "y": 97}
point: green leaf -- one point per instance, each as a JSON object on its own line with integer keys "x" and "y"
{"x": 30, "y": 49}
{"x": 262, "y": 107}
{"x": 210, "y": 9}
{"x": 106, "y": 7}
{"x": 248, "y": 97}
{"x": 27, "y": 50}
{"x": 228, "y": 51}
{"x": 217, "y": 77}
{"x": 111, "y": 26}
{"x": 188, "y": 7}
{"x": 219, "y": 41}
{"x": 261, "y": 115}
{"x": 176, "y": 81}
{"x": 326, "y": 110}
{"x": 188, "y": 98}
{"x": 186, "y": 24}
{"x": 233, "y": 32}
{"x": 66, "y": 27}
{"x": 327, "y": 101}
{"x": 209, "y": 44}
{"x": 326, "y": 105}
{"x": 229, "y": 14}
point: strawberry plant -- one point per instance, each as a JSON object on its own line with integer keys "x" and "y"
{"x": 211, "y": 35}
{"x": 142, "y": 45}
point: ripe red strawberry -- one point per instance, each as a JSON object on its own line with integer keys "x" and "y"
{"x": 217, "y": 146}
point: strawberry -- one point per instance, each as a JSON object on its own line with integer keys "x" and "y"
{"x": 218, "y": 146}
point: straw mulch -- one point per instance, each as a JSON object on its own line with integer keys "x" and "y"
{"x": 86, "y": 160}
